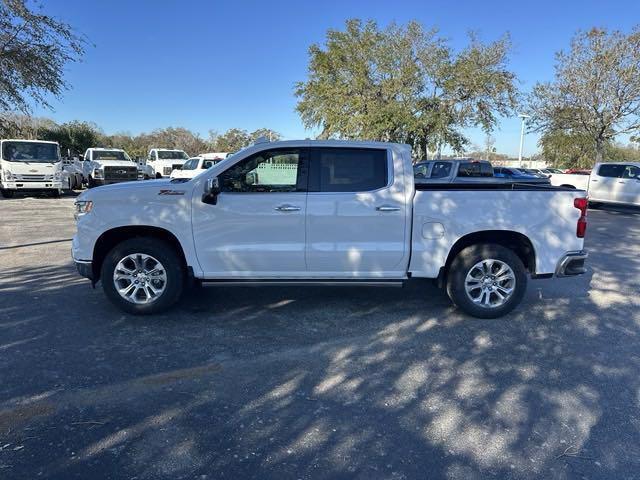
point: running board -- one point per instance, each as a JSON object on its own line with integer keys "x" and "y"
{"x": 304, "y": 283}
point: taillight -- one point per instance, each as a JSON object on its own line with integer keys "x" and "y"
{"x": 581, "y": 204}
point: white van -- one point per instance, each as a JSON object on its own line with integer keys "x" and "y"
{"x": 28, "y": 166}
{"x": 615, "y": 182}
{"x": 164, "y": 161}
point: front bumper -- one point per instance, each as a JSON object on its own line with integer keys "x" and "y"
{"x": 85, "y": 268}
{"x": 101, "y": 181}
{"x": 33, "y": 186}
{"x": 571, "y": 264}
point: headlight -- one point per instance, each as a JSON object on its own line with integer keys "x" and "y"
{"x": 8, "y": 175}
{"x": 97, "y": 173}
{"x": 57, "y": 175}
{"x": 82, "y": 207}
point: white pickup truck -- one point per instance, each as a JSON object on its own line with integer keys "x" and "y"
{"x": 164, "y": 161}
{"x": 326, "y": 212}
{"x": 615, "y": 182}
{"x": 196, "y": 165}
{"x": 30, "y": 166}
{"x": 104, "y": 166}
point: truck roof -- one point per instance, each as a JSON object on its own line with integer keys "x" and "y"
{"x": 108, "y": 149}
{"x": 24, "y": 140}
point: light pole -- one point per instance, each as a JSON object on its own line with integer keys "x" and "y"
{"x": 523, "y": 117}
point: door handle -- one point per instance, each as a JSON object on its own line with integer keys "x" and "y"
{"x": 387, "y": 208}
{"x": 594, "y": 180}
{"x": 287, "y": 208}
{"x": 620, "y": 181}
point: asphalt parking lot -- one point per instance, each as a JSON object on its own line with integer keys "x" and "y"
{"x": 279, "y": 382}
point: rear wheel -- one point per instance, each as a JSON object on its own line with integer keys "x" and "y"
{"x": 143, "y": 276}
{"x": 486, "y": 281}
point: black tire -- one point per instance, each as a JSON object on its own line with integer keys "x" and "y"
{"x": 161, "y": 251}
{"x": 54, "y": 193}
{"x": 90, "y": 183}
{"x": 463, "y": 264}
{"x": 7, "y": 193}
{"x": 158, "y": 176}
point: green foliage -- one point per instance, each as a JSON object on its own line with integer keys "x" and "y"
{"x": 34, "y": 48}
{"x": 236, "y": 139}
{"x": 595, "y": 95}
{"x": 74, "y": 137}
{"x": 404, "y": 84}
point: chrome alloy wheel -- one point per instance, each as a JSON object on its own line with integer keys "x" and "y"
{"x": 490, "y": 283}
{"x": 139, "y": 278}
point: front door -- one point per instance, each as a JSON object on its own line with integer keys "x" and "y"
{"x": 356, "y": 215}
{"x": 257, "y": 227}
{"x": 604, "y": 186}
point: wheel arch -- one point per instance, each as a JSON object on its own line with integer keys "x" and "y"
{"x": 114, "y": 236}
{"x": 519, "y": 243}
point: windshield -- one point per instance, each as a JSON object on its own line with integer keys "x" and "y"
{"x": 110, "y": 155}
{"x": 30, "y": 152}
{"x": 172, "y": 155}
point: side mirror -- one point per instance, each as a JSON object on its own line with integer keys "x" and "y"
{"x": 211, "y": 191}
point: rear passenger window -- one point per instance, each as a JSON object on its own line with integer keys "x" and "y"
{"x": 475, "y": 169}
{"x": 351, "y": 169}
{"x": 441, "y": 170}
{"x": 611, "y": 170}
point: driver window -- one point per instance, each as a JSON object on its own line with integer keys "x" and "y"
{"x": 269, "y": 171}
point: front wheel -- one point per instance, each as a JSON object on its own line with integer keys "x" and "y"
{"x": 7, "y": 193}
{"x": 486, "y": 281}
{"x": 143, "y": 276}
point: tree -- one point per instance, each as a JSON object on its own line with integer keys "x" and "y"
{"x": 235, "y": 139}
{"x": 595, "y": 94}
{"x": 404, "y": 84}
{"x": 34, "y": 48}
{"x": 74, "y": 137}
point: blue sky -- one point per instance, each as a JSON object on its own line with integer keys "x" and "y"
{"x": 216, "y": 65}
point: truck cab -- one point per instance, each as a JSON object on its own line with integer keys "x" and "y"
{"x": 103, "y": 166}
{"x": 28, "y": 166}
{"x": 164, "y": 161}
{"x": 454, "y": 170}
{"x": 609, "y": 182}
{"x": 196, "y": 165}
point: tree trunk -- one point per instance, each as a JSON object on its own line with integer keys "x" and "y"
{"x": 599, "y": 150}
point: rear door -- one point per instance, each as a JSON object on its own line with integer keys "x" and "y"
{"x": 356, "y": 216}
{"x": 257, "y": 227}
{"x": 603, "y": 183}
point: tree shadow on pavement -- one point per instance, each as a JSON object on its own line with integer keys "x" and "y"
{"x": 324, "y": 382}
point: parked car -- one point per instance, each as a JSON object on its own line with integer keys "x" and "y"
{"x": 103, "y": 166}
{"x": 536, "y": 172}
{"x": 517, "y": 175}
{"x": 164, "y": 161}
{"x": 454, "y": 170}
{"x": 30, "y": 166}
{"x": 616, "y": 182}
{"x": 195, "y": 165}
{"x": 551, "y": 171}
{"x": 577, "y": 171}
{"x": 325, "y": 212}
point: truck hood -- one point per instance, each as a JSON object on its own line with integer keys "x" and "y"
{"x": 115, "y": 163}
{"x": 138, "y": 189}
